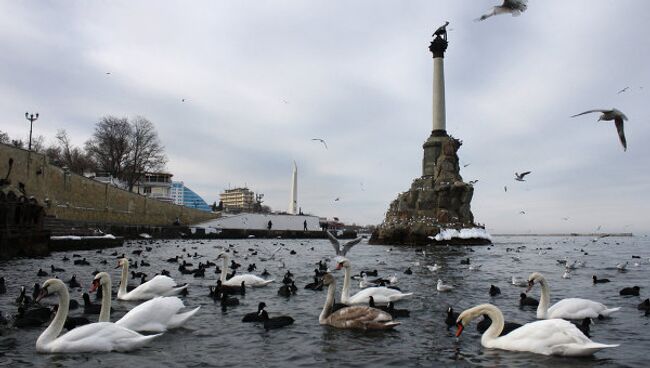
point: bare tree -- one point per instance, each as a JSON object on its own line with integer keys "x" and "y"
{"x": 4, "y": 137}
{"x": 147, "y": 153}
{"x": 65, "y": 154}
{"x": 110, "y": 145}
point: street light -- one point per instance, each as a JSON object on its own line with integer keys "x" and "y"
{"x": 31, "y": 119}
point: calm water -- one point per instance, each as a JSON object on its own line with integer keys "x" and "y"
{"x": 214, "y": 338}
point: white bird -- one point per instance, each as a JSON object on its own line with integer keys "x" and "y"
{"x": 155, "y": 315}
{"x": 570, "y": 308}
{"x": 547, "y": 337}
{"x": 609, "y": 115}
{"x": 475, "y": 267}
{"x": 442, "y": 287}
{"x": 158, "y": 286}
{"x": 433, "y": 268}
{"x": 346, "y": 246}
{"x": 566, "y": 274}
{"x": 247, "y": 279}
{"x": 519, "y": 282}
{"x": 622, "y": 266}
{"x": 514, "y": 7}
{"x": 320, "y": 140}
{"x": 382, "y": 295}
{"x": 93, "y": 337}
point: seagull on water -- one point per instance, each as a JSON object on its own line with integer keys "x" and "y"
{"x": 514, "y": 7}
{"x": 320, "y": 140}
{"x": 608, "y": 115}
{"x": 520, "y": 177}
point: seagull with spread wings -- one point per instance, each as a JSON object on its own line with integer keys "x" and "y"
{"x": 320, "y": 140}
{"x": 514, "y": 7}
{"x": 520, "y": 177}
{"x": 346, "y": 247}
{"x": 609, "y": 115}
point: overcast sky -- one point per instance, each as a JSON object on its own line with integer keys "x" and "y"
{"x": 260, "y": 79}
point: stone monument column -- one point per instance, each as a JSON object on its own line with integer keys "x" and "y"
{"x": 433, "y": 145}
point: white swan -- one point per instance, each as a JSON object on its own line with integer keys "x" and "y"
{"x": 355, "y": 317}
{"x": 93, "y": 337}
{"x": 382, "y": 295}
{"x": 570, "y": 308}
{"x": 158, "y": 286}
{"x": 248, "y": 279}
{"x": 155, "y": 315}
{"x": 547, "y": 337}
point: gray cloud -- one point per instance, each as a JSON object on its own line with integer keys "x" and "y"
{"x": 262, "y": 78}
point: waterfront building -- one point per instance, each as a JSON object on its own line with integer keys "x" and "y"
{"x": 238, "y": 199}
{"x": 184, "y": 196}
{"x": 155, "y": 185}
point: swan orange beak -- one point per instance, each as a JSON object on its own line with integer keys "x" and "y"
{"x": 530, "y": 285}
{"x": 460, "y": 329}
{"x": 94, "y": 286}
{"x": 41, "y": 295}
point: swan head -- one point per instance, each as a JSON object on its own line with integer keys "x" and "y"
{"x": 468, "y": 316}
{"x": 51, "y": 286}
{"x": 342, "y": 262}
{"x": 121, "y": 262}
{"x": 101, "y": 278}
{"x": 222, "y": 255}
{"x": 328, "y": 279}
{"x": 535, "y": 276}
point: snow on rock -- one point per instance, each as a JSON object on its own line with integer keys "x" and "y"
{"x": 473, "y": 233}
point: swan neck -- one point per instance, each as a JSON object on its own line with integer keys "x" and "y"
{"x": 105, "y": 312}
{"x": 123, "y": 280}
{"x": 224, "y": 269}
{"x": 329, "y": 302}
{"x": 345, "y": 292}
{"x": 544, "y": 300}
{"x": 56, "y": 326}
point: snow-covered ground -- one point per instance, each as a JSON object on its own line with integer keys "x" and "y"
{"x": 259, "y": 221}
{"x": 473, "y": 233}
{"x": 75, "y": 237}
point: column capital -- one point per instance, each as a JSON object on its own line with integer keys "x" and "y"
{"x": 438, "y": 47}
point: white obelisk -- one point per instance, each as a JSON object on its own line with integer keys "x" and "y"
{"x": 293, "y": 201}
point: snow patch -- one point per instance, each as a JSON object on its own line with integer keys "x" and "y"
{"x": 473, "y": 233}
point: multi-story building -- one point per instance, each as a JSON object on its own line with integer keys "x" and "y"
{"x": 238, "y": 199}
{"x": 155, "y": 185}
{"x": 184, "y": 196}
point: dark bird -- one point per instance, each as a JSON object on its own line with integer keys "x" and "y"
{"x": 520, "y": 177}
{"x": 609, "y": 115}
{"x": 494, "y": 290}
{"x": 32, "y": 317}
{"x": 73, "y": 283}
{"x": 346, "y": 246}
{"x": 525, "y": 300}
{"x": 3, "y": 287}
{"x": 583, "y": 326}
{"x": 56, "y": 269}
{"x": 485, "y": 323}
{"x": 634, "y": 291}
{"x": 320, "y": 140}
{"x": 599, "y": 281}
{"x": 317, "y": 285}
{"x": 514, "y": 7}
{"x": 41, "y": 273}
{"x": 22, "y": 298}
{"x": 623, "y": 90}
{"x": 645, "y": 305}
{"x": 284, "y": 291}
{"x": 441, "y": 31}
{"x": 255, "y": 316}
{"x": 90, "y": 307}
{"x": 408, "y": 271}
{"x": 228, "y": 302}
{"x": 452, "y": 316}
{"x": 390, "y": 308}
{"x": 464, "y": 261}
{"x": 275, "y": 322}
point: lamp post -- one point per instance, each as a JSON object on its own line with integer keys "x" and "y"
{"x": 32, "y": 118}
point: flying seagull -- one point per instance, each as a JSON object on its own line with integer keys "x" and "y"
{"x": 346, "y": 247}
{"x": 472, "y": 182}
{"x": 514, "y": 7}
{"x": 623, "y": 90}
{"x": 320, "y": 140}
{"x": 505, "y": 188}
{"x": 608, "y": 115}
{"x": 520, "y": 177}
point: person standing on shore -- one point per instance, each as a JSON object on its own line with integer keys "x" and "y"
{"x": 270, "y": 225}
{"x": 304, "y": 224}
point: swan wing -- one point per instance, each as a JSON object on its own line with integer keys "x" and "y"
{"x": 157, "y": 286}
{"x": 361, "y": 317}
{"x": 547, "y": 337}
{"x": 248, "y": 279}
{"x": 576, "y": 308}
{"x": 154, "y": 315}
{"x": 98, "y": 337}
{"x": 382, "y": 295}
